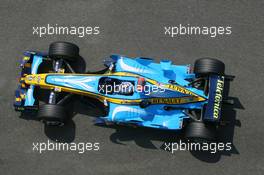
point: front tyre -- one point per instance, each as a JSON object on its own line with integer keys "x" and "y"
{"x": 52, "y": 115}
{"x": 63, "y": 50}
{"x": 68, "y": 52}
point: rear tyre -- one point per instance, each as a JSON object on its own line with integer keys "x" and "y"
{"x": 206, "y": 66}
{"x": 200, "y": 132}
{"x": 52, "y": 115}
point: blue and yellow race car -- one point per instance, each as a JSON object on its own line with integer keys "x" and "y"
{"x": 135, "y": 91}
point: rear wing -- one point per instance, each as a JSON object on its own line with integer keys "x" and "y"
{"x": 215, "y": 98}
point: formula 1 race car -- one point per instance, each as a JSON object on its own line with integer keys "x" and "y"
{"x": 135, "y": 91}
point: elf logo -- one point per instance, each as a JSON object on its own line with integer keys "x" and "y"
{"x": 218, "y": 97}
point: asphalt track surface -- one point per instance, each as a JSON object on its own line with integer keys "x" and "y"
{"x": 135, "y": 28}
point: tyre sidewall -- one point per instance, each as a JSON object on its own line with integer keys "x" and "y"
{"x": 54, "y": 113}
{"x": 200, "y": 131}
{"x": 207, "y": 66}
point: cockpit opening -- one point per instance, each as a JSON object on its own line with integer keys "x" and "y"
{"x": 114, "y": 86}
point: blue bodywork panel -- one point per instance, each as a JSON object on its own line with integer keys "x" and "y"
{"x": 161, "y": 72}
{"x": 153, "y": 116}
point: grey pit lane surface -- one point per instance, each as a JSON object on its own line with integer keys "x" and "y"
{"x": 134, "y": 28}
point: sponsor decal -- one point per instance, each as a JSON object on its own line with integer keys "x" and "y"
{"x": 179, "y": 89}
{"x": 173, "y": 100}
{"x": 218, "y": 97}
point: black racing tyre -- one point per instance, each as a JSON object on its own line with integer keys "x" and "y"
{"x": 63, "y": 50}
{"x": 68, "y": 52}
{"x": 199, "y": 132}
{"x": 50, "y": 114}
{"x": 206, "y": 66}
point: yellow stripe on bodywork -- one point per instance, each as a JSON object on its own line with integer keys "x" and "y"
{"x": 39, "y": 80}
